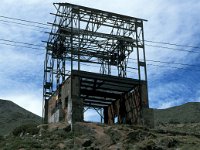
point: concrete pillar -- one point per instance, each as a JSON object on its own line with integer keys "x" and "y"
{"x": 144, "y": 95}
{"x": 110, "y": 115}
{"x": 105, "y": 113}
{"x": 77, "y": 102}
{"x": 148, "y": 117}
{"x": 46, "y": 111}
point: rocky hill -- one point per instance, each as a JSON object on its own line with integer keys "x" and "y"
{"x": 93, "y": 136}
{"x": 176, "y": 128}
{"x": 186, "y": 113}
{"x": 12, "y": 116}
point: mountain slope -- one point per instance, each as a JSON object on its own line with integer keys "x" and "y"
{"x": 186, "y": 113}
{"x": 12, "y": 115}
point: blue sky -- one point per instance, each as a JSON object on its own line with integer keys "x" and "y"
{"x": 21, "y": 69}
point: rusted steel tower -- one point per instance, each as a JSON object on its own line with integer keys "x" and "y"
{"x": 94, "y": 59}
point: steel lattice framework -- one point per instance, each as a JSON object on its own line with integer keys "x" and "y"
{"x": 85, "y": 36}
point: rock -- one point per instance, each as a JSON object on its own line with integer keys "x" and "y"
{"x": 41, "y": 131}
{"x": 114, "y": 134}
{"x": 180, "y": 125}
{"x": 59, "y": 126}
{"x": 116, "y": 146}
{"x": 69, "y": 143}
{"x": 82, "y": 128}
{"x": 61, "y": 145}
{"x": 86, "y": 143}
{"x": 82, "y": 142}
{"x": 139, "y": 135}
{"x": 168, "y": 142}
{"x": 21, "y": 134}
{"x": 42, "y": 126}
{"x": 67, "y": 128}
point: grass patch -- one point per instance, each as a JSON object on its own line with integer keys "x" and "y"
{"x": 17, "y": 143}
{"x": 27, "y": 128}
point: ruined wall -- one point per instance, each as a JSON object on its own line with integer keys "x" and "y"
{"x": 56, "y": 116}
{"x": 51, "y": 106}
{"x": 131, "y": 108}
{"x": 66, "y": 104}
{"x": 58, "y": 105}
{"x": 148, "y": 117}
{"x": 66, "y": 100}
{"x": 144, "y": 95}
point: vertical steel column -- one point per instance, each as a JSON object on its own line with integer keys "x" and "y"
{"x": 144, "y": 55}
{"x": 79, "y": 43}
{"x": 71, "y": 39}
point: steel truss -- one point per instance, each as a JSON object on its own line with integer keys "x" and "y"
{"x": 85, "y": 36}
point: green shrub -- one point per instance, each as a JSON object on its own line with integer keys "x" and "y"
{"x": 18, "y": 143}
{"x": 174, "y": 122}
{"x": 27, "y": 128}
{"x": 1, "y": 138}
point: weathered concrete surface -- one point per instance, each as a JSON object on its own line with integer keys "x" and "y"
{"x": 127, "y": 107}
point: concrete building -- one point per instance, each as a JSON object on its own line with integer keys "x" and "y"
{"x": 86, "y": 36}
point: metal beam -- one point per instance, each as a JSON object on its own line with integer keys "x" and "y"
{"x": 96, "y": 102}
{"x": 97, "y": 98}
{"x": 103, "y": 77}
{"x": 99, "y": 94}
{"x": 106, "y": 13}
{"x": 95, "y": 105}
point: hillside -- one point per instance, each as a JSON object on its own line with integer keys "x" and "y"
{"x": 93, "y": 136}
{"x": 176, "y": 128}
{"x": 186, "y": 113}
{"x": 12, "y": 115}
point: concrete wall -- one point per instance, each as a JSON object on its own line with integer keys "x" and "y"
{"x": 71, "y": 109}
{"x": 148, "y": 117}
{"x": 66, "y": 101}
{"x": 144, "y": 96}
{"x": 77, "y": 102}
{"x": 64, "y": 109}
{"x": 56, "y": 117}
{"x": 131, "y": 108}
{"x": 52, "y": 105}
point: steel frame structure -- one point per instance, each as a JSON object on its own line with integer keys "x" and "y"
{"x": 86, "y": 36}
